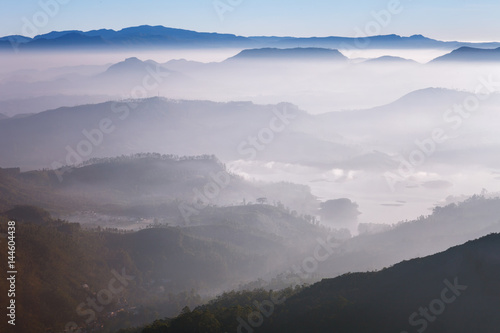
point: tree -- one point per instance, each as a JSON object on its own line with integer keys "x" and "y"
{"x": 261, "y": 201}
{"x": 339, "y": 213}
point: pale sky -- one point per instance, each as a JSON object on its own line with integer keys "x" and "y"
{"x": 465, "y": 20}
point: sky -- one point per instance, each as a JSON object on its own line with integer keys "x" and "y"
{"x": 465, "y": 20}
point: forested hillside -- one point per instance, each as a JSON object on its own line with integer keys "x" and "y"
{"x": 453, "y": 291}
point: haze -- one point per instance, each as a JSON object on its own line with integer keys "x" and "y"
{"x": 240, "y": 166}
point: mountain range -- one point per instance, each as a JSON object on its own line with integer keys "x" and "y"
{"x": 321, "y": 184}
{"x": 229, "y": 245}
{"x": 201, "y": 127}
{"x": 173, "y": 127}
{"x": 162, "y": 37}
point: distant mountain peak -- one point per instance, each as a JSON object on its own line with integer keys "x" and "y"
{"x": 471, "y": 54}
{"x": 16, "y": 39}
{"x": 431, "y": 95}
{"x": 390, "y": 59}
{"x": 290, "y": 53}
{"x": 132, "y": 60}
{"x": 58, "y": 34}
{"x": 131, "y": 63}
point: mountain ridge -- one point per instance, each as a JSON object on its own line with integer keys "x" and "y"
{"x": 298, "y": 53}
{"x": 165, "y": 37}
{"x": 461, "y": 280}
{"x": 470, "y": 54}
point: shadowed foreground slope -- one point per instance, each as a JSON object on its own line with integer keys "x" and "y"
{"x": 453, "y": 291}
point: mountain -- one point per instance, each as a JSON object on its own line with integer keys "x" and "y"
{"x": 144, "y": 185}
{"x": 129, "y": 77}
{"x": 152, "y": 273}
{"x": 161, "y": 37}
{"x": 12, "y": 43}
{"x": 447, "y": 226}
{"x": 69, "y": 40}
{"x": 419, "y": 110}
{"x": 130, "y": 64}
{"x": 132, "y": 70}
{"x": 16, "y": 190}
{"x": 15, "y": 39}
{"x": 304, "y": 54}
{"x": 225, "y": 129}
{"x": 161, "y": 125}
{"x": 2, "y": 116}
{"x": 421, "y": 99}
{"x": 131, "y": 193}
{"x": 135, "y": 37}
{"x": 389, "y": 60}
{"x": 381, "y": 41}
{"x": 470, "y": 54}
{"x": 149, "y": 186}
{"x": 453, "y": 291}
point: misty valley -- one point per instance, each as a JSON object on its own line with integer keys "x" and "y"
{"x": 163, "y": 180}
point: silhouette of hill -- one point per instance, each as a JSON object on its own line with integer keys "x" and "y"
{"x": 445, "y": 227}
{"x": 65, "y": 40}
{"x": 304, "y": 54}
{"x": 418, "y": 110}
{"x": 390, "y": 60}
{"x": 133, "y": 37}
{"x": 470, "y": 54}
{"x": 143, "y": 185}
{"x": 63, "y": 266}
{"x": 453, "y": 291}
{"x": 160, "y": 125}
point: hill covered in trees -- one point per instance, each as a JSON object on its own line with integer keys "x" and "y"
{"x": 62, "y": 266}
{"x": 453, "y": 291}
{"x": 143, "y": 184}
